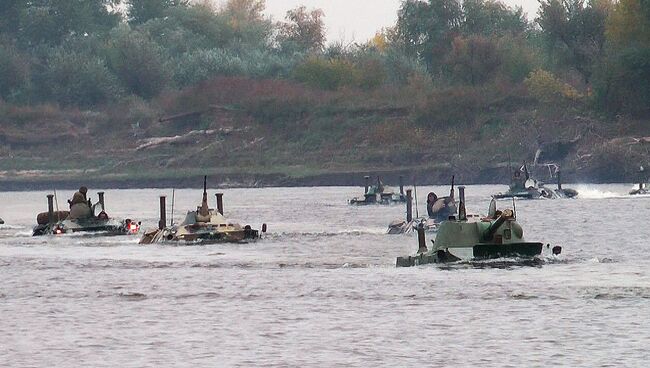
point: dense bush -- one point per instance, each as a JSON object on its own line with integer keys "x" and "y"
{"x": 140, "y": 64}
{"x": 451, "y": 107}
{"x": 327, "y": 74}
{"x": 400, "y": 68}
{"x": 547, "y": 88}
{"x": 77, "y": 79}
{"x": 195, "y": 67}
{"x": 518, "y": 58}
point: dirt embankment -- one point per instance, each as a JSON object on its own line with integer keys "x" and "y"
{"x": 252, "y": 133}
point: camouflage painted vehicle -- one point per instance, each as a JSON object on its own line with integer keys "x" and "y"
{"x": 98, "y": 222}
{"x": 498, "y": 235}
{"x": 203, "y": 226}
{"x": 523, "y": 186}
{"x": 379, "y": 194}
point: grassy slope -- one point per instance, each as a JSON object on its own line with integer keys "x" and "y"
{"x": 279, "y": 127}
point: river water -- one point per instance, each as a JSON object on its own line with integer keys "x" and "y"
{"x": 322, "y": 290}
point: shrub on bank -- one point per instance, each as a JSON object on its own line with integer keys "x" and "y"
{"x": 451, "y": 107}
{"x": 548, "y": 89}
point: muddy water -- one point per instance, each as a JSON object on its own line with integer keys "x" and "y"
{"x": 321, "y": 290}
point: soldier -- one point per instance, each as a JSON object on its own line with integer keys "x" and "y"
{"x": 517, "y": 182}
{"x": 431, "y": 199}
{"x": 440, "y": 209}
{"x": 79, "y": 205}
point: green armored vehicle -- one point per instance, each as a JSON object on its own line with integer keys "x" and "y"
{"x": 379, "y": 194}
{"x": 498, "y": 235}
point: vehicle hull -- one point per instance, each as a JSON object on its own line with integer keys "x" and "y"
{"x": 476, "y": 252}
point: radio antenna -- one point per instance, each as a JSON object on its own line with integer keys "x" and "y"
{"x": 415, "y": 188}
{"x": 171, "y": 222}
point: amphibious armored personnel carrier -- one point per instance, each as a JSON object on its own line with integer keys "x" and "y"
{"x": 523, "y": 186}
{"x": 97, "y": 221}
{"x": 498, "y": 235}
{"x": 203, "y": 226}
{"x": 379, "y": 194}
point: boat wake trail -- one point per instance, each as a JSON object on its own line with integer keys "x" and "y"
{"x": 589, "y": 192}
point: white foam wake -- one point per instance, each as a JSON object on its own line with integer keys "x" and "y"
{"x": 589, "y": 192}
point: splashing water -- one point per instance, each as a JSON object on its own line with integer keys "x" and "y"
{"x": 586, "y": 191}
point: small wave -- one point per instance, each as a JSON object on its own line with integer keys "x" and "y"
{"x": 601, "y": 260}
{"x": 11, "y": 227}
{"x": 198, "y": 295}
{"x": 327, "y": 266}
{"x": 522, "y": 296}
{"x": 133, "y": 296}
{"x": 328, "y": 234}
{"x": 23, "y": 233}
{"x": 500, "y": 263}
{"x": 619, "y": 293}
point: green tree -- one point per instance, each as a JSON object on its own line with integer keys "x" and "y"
{"x": 490, "y": 17}
{"x": 250, "y": 27}
{"x": 51, "y": 21}
{"x": 629, "y": 24}
{"x": 141, "y": 11}
{"x": 77, "y": 79}
{"x": 139, "y": 63}
{"x": 188, "y": 29}
{"x": 9, "y": 15}
{"x": 623, "y": 78}
{"x": 427, "y": 28}
{"x": 575, "y": 31}
{"x": 14, "y": 72}
{"x": 474, "y": 59}
{"x": 302, "y": 31}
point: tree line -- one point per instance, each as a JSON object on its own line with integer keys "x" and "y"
{"x": 96, "y": 52}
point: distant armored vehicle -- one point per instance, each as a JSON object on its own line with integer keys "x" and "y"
{"x": 522, "y": 186}
{"x": 203, "y": 226}
{"x": 96, "y": 220}
{"x": 379, "y": 194}
{"x": 498, "y": 235}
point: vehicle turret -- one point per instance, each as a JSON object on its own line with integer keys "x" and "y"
{"x": 203, "y": 226}
{"x": 468, "y": 238}
{"x": 96, "y": 220}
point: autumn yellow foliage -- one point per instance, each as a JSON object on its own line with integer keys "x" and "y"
{"x": 547, "y": 88}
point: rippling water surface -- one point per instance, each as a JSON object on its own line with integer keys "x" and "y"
{"x": 322, "y": 290}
